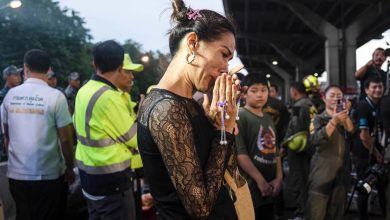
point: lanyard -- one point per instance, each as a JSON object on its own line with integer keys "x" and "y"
{"x": 373, "y": 106}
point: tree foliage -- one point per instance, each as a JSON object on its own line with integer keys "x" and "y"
{"x": 42, "y": 24}
{"x": 153, "y": 71}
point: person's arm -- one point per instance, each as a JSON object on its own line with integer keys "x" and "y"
{"x": 367, "y": 142}
{"x": 4, "y": 123}
{"x": 337, "y": 118}
{"x": 277, "y": 182}
{"x": 361, "y": 72}
{"x": 172, "y": 131}
{"x": 321, "y": 132}
{"x": 363, "y": 116}
{"x": 365, "y": 138}
{"x": 6, "y": 138}
{"x": 330, "y": 127}
{"x": 65, "y": 135}
{"x": 349, "y": 125}
{"x": 123, "y": 125}
{"x": 248, "y": 167}
{"x": 65, "y": 130}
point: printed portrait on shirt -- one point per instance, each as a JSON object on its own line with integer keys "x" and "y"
{"x": 266, "y": 140}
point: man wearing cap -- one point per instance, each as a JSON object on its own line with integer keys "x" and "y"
{"x": 136, "y": 163}
{"x": 12, "y": 78}
{"x": 52, "y": 81}
{"x": 106, "y": 131}
{"x": 129, "y": 68}
{"x": 298, "y": 159}
{"x": 71, "y": 89}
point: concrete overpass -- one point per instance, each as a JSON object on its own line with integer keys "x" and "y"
{"x": 306, "y": 36}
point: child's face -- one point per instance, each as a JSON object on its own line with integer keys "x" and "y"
{"x": 256, "y": 96}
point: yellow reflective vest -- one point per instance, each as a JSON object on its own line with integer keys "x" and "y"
{"x": 136, "y": 161}
{"x": 105, "y": 129}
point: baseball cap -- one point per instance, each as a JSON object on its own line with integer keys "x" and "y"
{"x": 129, "y": 65}
{"x": 51, "y": 74}
{"x": 74, "y": 76}
{"x": 11, "y": 70}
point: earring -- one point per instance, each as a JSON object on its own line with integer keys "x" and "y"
{"x": 190, "y": 57}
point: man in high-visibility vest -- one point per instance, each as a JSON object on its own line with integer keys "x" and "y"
{"x": 129, "y": 68}
{"x": 106, "y": 132}
{"x": 136, "y": 163}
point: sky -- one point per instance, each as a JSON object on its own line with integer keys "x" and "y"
{"x": 147, "y": 22}
{"x": 144, "y": 21}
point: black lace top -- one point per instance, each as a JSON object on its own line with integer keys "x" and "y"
{"x": 183, "y": 160}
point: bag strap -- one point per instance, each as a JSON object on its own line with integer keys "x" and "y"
{"x": 230, "y": 181}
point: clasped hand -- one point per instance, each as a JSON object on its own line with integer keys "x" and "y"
{"x": 226, "y": 90}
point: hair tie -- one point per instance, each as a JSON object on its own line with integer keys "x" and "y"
{"x": 193, "y": 14}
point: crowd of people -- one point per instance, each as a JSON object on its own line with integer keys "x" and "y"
{"x": 168, "y": 154}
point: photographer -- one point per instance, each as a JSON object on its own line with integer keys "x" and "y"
{"x": 367, "y": 149}
{"x": 372, "y": 69}
{"x": 327, "y": 193}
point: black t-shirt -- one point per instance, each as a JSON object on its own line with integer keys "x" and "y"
{"x": 257, "y": 140}
{"x": 367, "y": 117}
{"x": 372, "y": 72}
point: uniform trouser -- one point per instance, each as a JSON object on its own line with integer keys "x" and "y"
{"x": 361, "y": 170}
{"x": 43, "y": 199}
{"x": 119, "y": 206}
{"x": 299, "y": 173}
{"x": 327, "y": 194}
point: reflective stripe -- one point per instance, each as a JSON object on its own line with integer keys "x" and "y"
{"x": 91, "y": 197}
{"x": 106, "y": 141}
{"x": 109, "y": 141}
{"x": 88, "y": 112}
{"x": 129, "y": 134}
{"x": 105, "y": 168}
{"x": 95, "y": 143}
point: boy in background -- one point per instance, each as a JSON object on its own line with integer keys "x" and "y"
{"x": 258, "y": 155}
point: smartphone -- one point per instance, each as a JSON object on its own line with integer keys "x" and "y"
{"x": 341, "y": 104}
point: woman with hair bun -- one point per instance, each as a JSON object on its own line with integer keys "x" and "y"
{"x": 185, "y": 148}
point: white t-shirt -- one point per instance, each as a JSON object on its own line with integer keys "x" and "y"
{"x": 33, "y": 112}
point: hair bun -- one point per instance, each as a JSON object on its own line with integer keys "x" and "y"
{"x": 179, "y": 13}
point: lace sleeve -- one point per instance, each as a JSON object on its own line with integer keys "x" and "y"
{"x": 171, "y": 130}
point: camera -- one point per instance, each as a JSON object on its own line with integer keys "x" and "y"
{"x": 387, "y": 52}
{"x": 341, "y": 104}
{"x": 377, "y": 173}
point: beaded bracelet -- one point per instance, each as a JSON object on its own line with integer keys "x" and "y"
{"x": 223, "y": 104}
{"x": 224, "y": 116}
